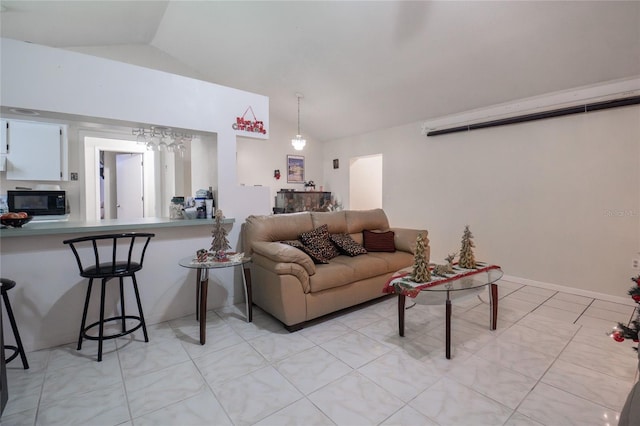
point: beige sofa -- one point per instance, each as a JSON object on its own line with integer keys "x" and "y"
{"x": 290, "y": 286}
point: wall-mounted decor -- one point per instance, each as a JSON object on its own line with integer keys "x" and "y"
{"x": 254, "y": 125}
{"x": 336, "y": 163}
{"x": 295, "y": 169}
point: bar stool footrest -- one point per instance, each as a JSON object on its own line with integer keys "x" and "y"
{"x": 13, "y": 356}
{"x": 112, "y": 336}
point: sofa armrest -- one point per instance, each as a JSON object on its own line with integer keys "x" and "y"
{"x": 405, "y": 239}
{"x": 284, "y": 253}
{"x": 283, "y": 268}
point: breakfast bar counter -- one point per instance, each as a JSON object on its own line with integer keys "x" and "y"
{"x": 49, "y": 301}
{"x": 108, "y": 225}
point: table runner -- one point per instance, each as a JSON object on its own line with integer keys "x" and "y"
{"x": 400, "y": 283}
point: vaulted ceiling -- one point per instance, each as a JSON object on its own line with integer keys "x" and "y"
{"x": 361, "y": 66}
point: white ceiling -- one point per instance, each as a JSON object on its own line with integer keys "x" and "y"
{"x": 361, "y": 66}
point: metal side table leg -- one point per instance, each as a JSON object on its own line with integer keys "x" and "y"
{"x": 203, "y": 284}
{"x": 401, "y": 302}
{"x": 448, "y": 326}
{"x": 248, "y": 295}
{"x": 493, "y": 302}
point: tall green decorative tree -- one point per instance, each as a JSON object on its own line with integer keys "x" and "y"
{"x": 467, "y": 258}
{"x": 220, "y": 243}
{"x": 421, "y": 273}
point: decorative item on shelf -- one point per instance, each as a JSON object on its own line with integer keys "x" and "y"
{"x": 310, "y": 186}
{"x": 157, "y": 138}
{"x": 220, "y": 243}
{"x": 297, "y": 142}
{"x": 447, "y": 269}
{"x": 421, "y": 273}
{"x": 467, "y": 258}
{"x": 632, "y": 329}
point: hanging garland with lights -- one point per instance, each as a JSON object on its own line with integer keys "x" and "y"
{"x": 630, "y": 331}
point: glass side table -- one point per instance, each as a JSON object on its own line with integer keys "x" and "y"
{"x": 460, "y": 280}
{"x": 202, "y": 285}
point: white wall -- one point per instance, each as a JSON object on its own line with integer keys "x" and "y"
{"x": 258, "y": 159}
{"x": 365, "y": 182}
{"x": 555, "y": 201}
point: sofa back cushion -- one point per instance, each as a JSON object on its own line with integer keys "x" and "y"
{"x": 336, "y": 221}
{"x": 359, "y": 220}
{"x": 275, "y": 228}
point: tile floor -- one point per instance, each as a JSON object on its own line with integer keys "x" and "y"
{"x": 548, "y": 363}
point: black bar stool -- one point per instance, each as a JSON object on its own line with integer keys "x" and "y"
{"x": 122, "y": 256}
{"x": 6, "y": 285}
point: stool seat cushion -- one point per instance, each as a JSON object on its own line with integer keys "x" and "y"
{"x": 110, "y": 270}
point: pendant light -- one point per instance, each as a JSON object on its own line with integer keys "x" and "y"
{"x": 297, "y": 142}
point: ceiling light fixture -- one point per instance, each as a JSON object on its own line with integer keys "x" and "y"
{"x": 297, "y": 142}
{"x": 162, "y": 139}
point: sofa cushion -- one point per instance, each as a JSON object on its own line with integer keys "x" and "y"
{"x": 274, "y": 228}
{"x": 359, "y": 220}
{"x": 365, "y": 266}
{"x": 283, "y": 253}
{"x": 334, "y": 274}
{"x": 347, "y": 245}
{"x": 379, "y": 241}
{"x": 336, "y": 221}
{"x": 344, "y": 270}
{"x": 395, "y": 261}
{"x": 318, "y": 241}
{"x": 316, "y": 256}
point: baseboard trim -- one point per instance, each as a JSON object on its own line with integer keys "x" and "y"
{"x": 571, "y": 290}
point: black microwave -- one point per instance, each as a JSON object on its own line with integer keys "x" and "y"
{"x": 38, "y": 203}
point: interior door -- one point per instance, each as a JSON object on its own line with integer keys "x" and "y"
{"x": 129, "y": 186}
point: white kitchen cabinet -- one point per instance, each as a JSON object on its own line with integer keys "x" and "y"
{"x": 36, "y": 151}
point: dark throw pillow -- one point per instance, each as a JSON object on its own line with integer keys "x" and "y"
{"x": 316, "y": 257}
{"x": 347, "y": 245}
{"x": 379, "y": 241}
{"x": 318, "y": 241}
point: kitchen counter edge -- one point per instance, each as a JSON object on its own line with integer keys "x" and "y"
{"x": 117, "y": 225}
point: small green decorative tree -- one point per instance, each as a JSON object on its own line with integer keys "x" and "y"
{"x": 467, "y": 258}
{"x": 421, "y": 273}
{"x": 220, "y": 243}
{"x": 632, "y": 330}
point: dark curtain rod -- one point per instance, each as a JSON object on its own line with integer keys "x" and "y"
{"x": 615, "y": 103}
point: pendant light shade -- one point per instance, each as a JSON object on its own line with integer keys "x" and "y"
{"x": 298, "y": 142}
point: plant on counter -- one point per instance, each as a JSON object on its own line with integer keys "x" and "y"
{"x": 632, "y": 329}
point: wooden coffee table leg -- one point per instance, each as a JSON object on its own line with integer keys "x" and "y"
{"x": 248, "y": 295}
{"x": 401, "y": 300}
{"x": 493, "y": 301}
{"x": 448, "y": 327}
{"x": 204, "y": 286}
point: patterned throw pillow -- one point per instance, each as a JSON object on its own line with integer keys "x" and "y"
{"x": 316, "y": 257}
{"x": 379, "y": 241}
{"x": 318, "y": 241}
{"x": 347, "y": 245}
